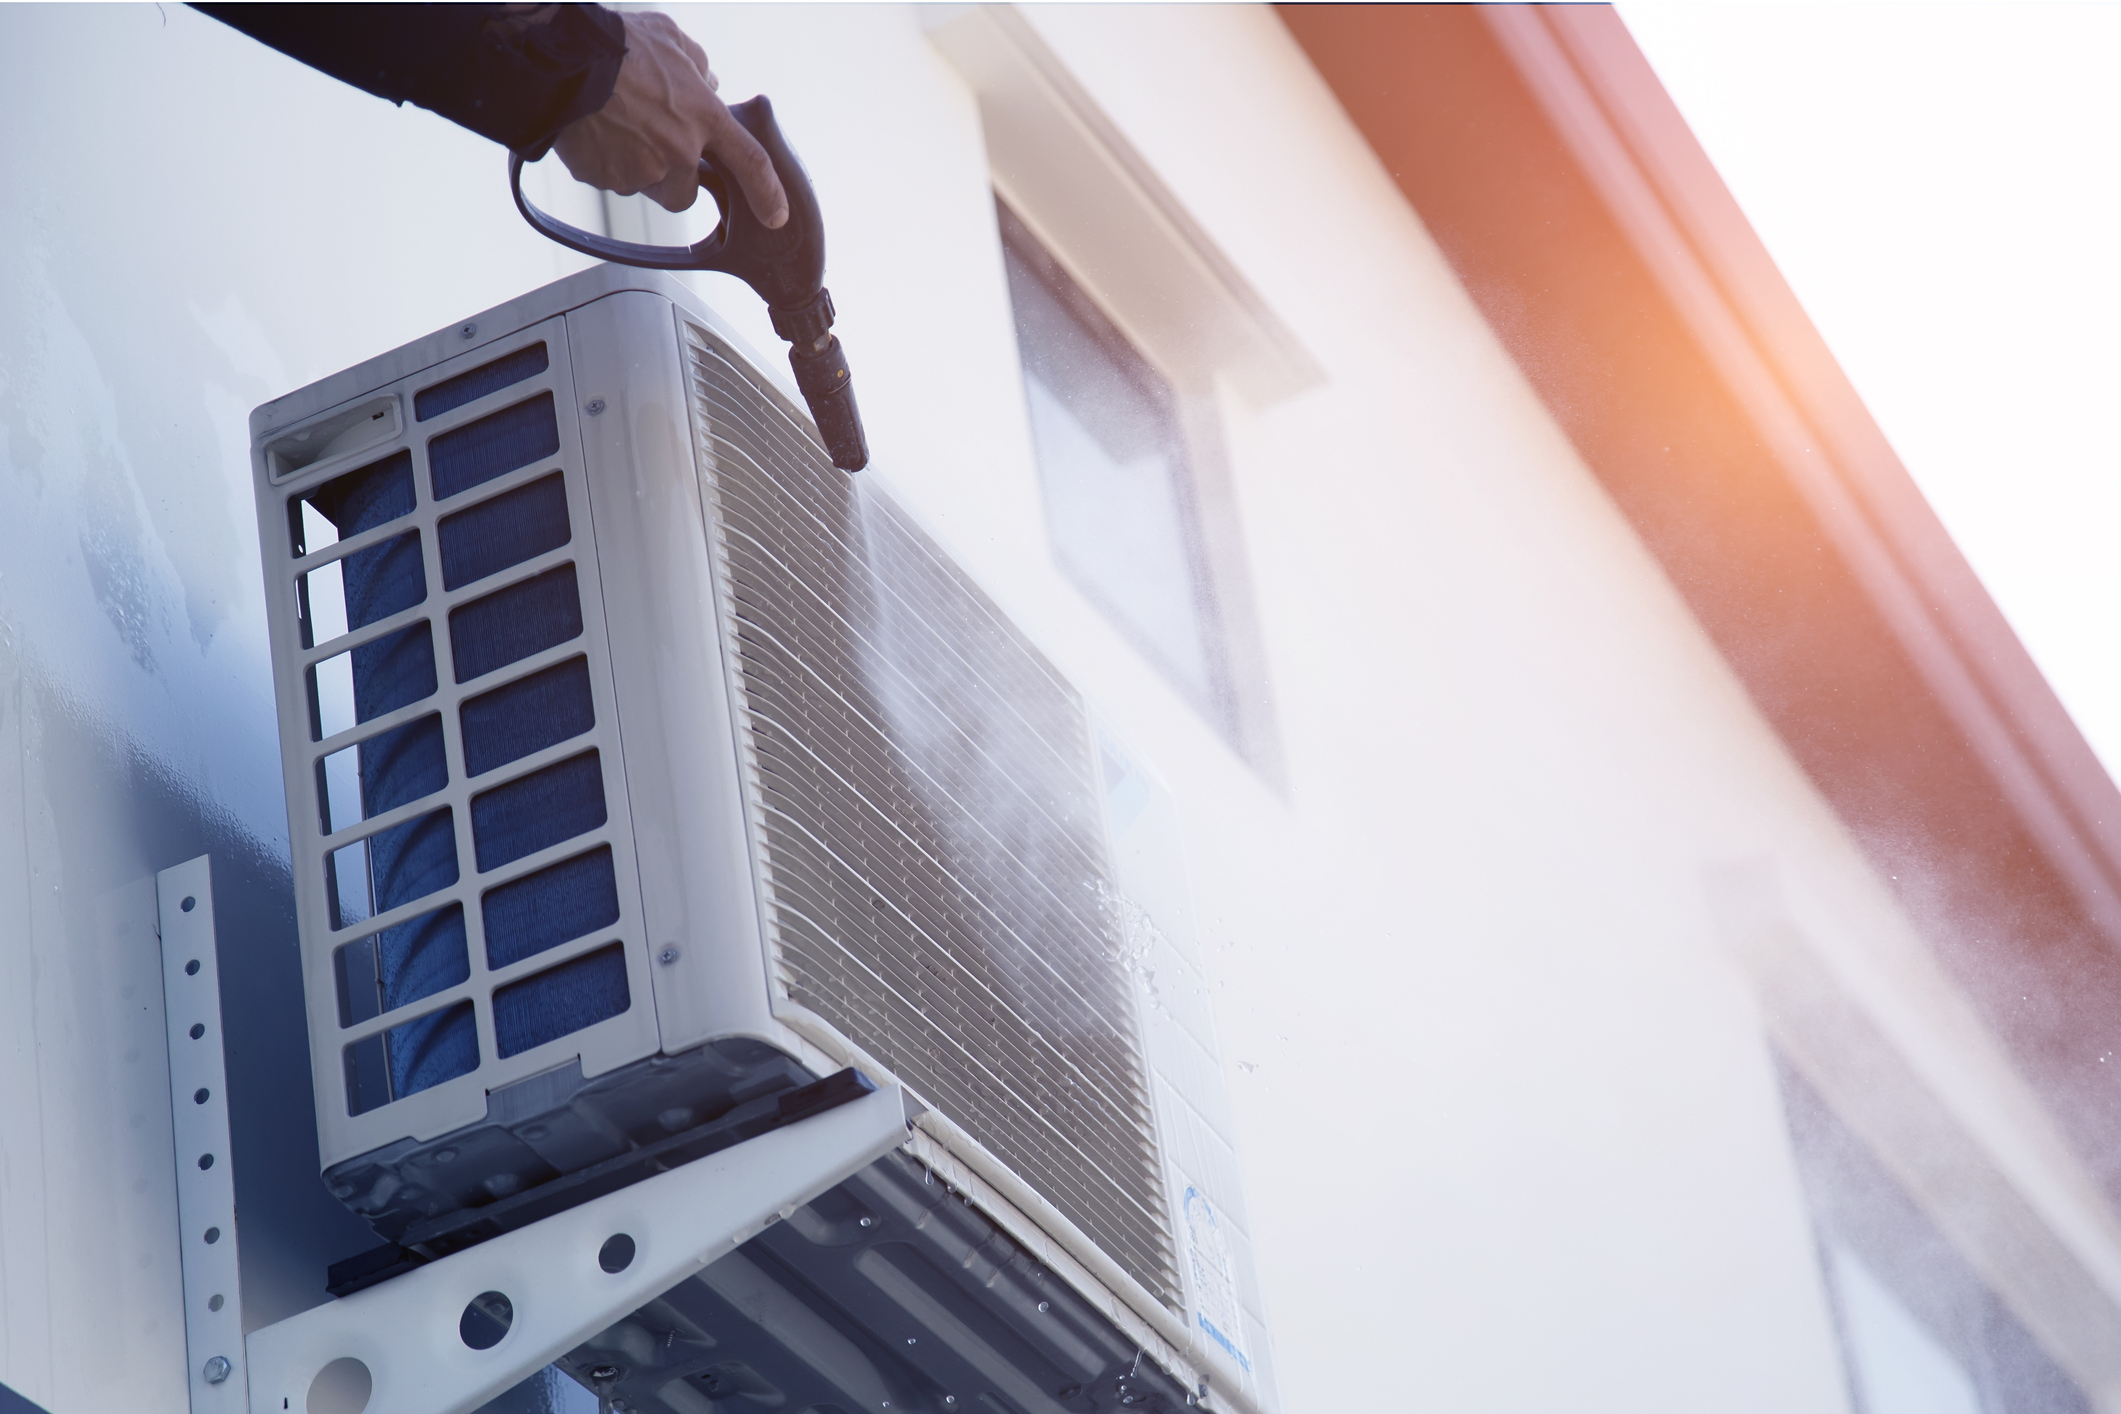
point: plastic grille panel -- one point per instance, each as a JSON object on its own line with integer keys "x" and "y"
{"x": 458, "y": 710}
{"x": 922, "y": 789}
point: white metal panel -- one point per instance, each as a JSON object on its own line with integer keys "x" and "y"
{"x": 673, "y": 701}
{"x": 406, "y": 1332}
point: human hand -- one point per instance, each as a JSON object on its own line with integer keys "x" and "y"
{"x": 662, "y": 116}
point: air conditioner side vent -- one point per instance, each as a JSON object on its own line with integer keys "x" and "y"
{"x": 922, "y": 788}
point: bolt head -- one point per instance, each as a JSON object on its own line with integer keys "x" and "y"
{"x": 594, "y": 407}
{"x": 667, "y": 955}
{"x": 468, "y": 330}
{"x": 217, "y": 1370}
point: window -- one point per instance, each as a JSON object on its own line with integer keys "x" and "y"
{"x": 1119, "y": 488}
{"x": 1921, "y": 1331}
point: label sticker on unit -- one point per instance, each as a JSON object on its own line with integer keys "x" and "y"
{"x": 1214, "y": 1281}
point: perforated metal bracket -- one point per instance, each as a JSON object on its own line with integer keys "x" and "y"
{"x": 413, "y": 1345}
{"x": 557, "y": 1282}
{"x": 198, "y": 1102}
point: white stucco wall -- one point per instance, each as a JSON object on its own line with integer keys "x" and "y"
{"x": 1513, "y": 1142}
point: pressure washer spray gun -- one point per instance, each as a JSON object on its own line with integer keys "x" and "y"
{"x": 786, "y": 267}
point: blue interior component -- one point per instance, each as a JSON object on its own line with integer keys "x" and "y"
{"x": 360, "y": 987}
{"x": 526, "y": 715}
{"x": 418, "y": 958}
{"x": 393, "y": 671}
{"x": 359, "y": 500}
{"x": 510, "y": 624}
{"x": 382, "y": 580}
{"x": 486, "y": 378}
{"x": 579, "y": 992}
{"x": 430, "y": 1049}
{"x": 401, "y": 765}
{"x": 556, "y": 905}
{"x": 543, "y": 808}
{"x": 506, "y": 530}
{"x": 495, "y": 445}
{"x": 429, "y": 954}
{"x": 420, "y": 974}
{"x": 411, "y": 861}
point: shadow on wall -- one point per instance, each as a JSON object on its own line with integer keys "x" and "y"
{"x": 116, "y": 815}
{"x": 12, "y": 1403}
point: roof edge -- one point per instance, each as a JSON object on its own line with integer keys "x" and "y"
{"x": 1584, "y": 219}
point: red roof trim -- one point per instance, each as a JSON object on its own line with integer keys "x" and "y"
{"x": 1584, "y": 219}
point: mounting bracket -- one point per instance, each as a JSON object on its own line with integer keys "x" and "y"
{"x": 413, "y": 1345}
{"x": 198, "y": 1105}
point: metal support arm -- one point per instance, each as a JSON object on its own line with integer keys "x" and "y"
{"x": 407, "y": 1331}
{"x": 554, "y": 1278}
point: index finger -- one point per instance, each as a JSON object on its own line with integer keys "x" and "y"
{"x": 740, "y": 152}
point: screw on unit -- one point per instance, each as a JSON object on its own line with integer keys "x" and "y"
{"x": 667, "y": 955}
{"x": 594, "y": 407}
{"x": 468, "y": 330}
{"x": 217, "y": 1369}
{"x": 604, "y": 1377}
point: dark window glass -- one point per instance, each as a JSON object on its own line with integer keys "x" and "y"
{"x": 1920, "y": 1327}
{"x": 1113, "y": 468}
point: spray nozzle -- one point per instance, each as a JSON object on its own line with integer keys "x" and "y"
{"x": 785, "y": 266}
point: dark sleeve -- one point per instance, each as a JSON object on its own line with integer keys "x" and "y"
{"x": 517, "y": 88}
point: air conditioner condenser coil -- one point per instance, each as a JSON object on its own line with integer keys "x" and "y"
{"x": 643, "y": 770}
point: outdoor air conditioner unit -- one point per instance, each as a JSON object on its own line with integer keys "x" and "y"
{"x": 644, "y": 770}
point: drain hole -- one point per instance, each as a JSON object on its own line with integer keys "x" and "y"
{"x": 617, "y": 1253}
{"x": 342, "y": 1387}
{"x": 485, "y": 1320}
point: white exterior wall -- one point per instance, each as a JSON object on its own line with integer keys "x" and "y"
{"x": 1511, "y": 1136}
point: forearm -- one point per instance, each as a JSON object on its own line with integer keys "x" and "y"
{"x": 510, "y": 73}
